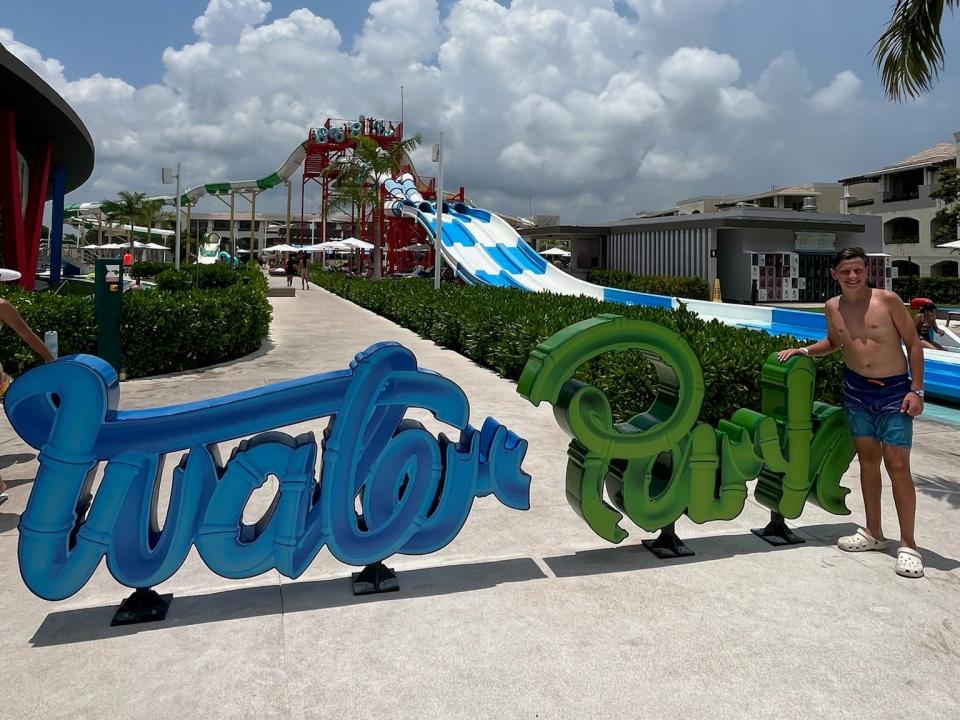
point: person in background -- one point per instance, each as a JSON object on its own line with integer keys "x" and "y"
{"x": 304, "y": 271}
{"x": 926, "y": 322}
{"x": 12, "y": 319}
{"x": 291, "y": 268}
{"x": 880, "y": 397}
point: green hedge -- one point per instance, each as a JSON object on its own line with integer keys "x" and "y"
{"x": 148, "y": 268}
{"x": 943, "y": 290}
{"x": 498, "y": 327}
{"x": 686, "y": 287}
{"x": 162, "y": 331}
{"x": 202, "y": 277}
{"x": 170, "y": 331}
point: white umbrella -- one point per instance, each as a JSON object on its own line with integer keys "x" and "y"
{"x": 281, "y": 248}
{"x": 333, "y": 245}
{"x": 556, "y": 251}
{"x": 156, "y": 246}
{"x": 951, "y": 244}
{"x": 358, "y": 244}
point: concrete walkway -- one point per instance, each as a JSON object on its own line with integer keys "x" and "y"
{"x": 524, "y": 615}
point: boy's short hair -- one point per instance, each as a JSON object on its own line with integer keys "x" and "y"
{"x": 928, "y": 306}
{"x": 850, "y": 253}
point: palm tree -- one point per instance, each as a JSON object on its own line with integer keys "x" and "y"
{"x": 129, "y": 206}
{"x": 358, "y": 178}
{"x": 910, "y": 52}
{"x": 151, "y": 211}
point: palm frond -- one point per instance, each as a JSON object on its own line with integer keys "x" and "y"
{"x": 910, "y": 54}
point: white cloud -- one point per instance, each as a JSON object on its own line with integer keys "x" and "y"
{"x": 225, "y": 20}
{"x": 679, "y": 165}
{"x": 594, "y": 110}
{"x": 840, "y": 93}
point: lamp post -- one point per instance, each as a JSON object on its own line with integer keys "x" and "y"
{"x": 437, "y": 259}
{"x": 168, "y": 176}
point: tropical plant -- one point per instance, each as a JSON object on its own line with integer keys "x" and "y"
{"x": 359, "y": 175}
{"x": 150, "y": 212}
{"x": 128, "y": 206}
{"x": 910, "y": 53}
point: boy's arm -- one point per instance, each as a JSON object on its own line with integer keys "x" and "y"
{"x": 831, "y": 343}
{"x": 10, "y": 316}
{"x": 912, "y": 403}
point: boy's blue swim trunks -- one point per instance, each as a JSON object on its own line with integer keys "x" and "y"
{"x": 873, "y": 408}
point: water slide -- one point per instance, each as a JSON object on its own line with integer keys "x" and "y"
{"x": 483, "y": 248}
{"x": 193, "y": 194}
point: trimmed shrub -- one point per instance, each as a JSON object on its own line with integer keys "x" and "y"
{"x": 71, "y": 316}
{"x": 148, "y": 268}
{"x": 942, "y": 290}
{"x": 693, "y": 288}
{"x": 162, "y": 331}
{"x": 170, "y": 331}
{"x": 203, "y": 277}
{"x": 498, "y": 327}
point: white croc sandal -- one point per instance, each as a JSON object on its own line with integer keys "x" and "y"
{"x": 861, "y": 542}
{"x": 909, "y": 563}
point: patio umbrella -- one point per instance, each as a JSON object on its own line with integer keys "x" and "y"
{"x": 417, "y": 247}
{"x": 332, "y": 246}
{"x": 358, "y": 244}
{"x": 951, "y": 244}
{"x": 555, "y": 251}
{"x": 281, "y": 248}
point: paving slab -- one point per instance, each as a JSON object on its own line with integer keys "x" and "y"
{"x": 524, "y": 615}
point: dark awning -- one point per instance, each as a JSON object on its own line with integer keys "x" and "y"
{"x": 42, "y": 115}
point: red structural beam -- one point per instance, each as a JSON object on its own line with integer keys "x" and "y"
{"x": 21, "y": 233}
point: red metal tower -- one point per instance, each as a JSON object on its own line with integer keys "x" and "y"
{"x": 336, "y": 139}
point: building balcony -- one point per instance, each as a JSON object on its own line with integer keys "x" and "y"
{"x": 904, "y": 200}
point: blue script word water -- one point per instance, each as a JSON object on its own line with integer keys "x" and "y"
{"x": 414, "y": 490}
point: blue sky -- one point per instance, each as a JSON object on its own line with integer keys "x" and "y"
{"x": 603, "y": 107}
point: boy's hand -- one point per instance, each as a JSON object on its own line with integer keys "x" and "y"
{"x": 912, "y": 404}
{"x": 785, "y": 355}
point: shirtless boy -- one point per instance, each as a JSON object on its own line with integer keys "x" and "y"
{"x": 880, "y": 398}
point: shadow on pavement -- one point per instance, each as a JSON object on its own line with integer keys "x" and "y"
{"x": 939, "y": 487}
{"x": 8, "y": 521}
{"x": 86, "y": 624}
{"x": 8, "y": 460}
{"x": 625, "y": 558}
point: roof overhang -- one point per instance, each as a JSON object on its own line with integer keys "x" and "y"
{"x": 563, "y": 232}
{"x": 42, "y": 115}
{"x": 750, "y": 219}
{"x": 875, "y": 175}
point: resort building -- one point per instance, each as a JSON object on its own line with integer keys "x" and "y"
{"x": 271, "y": 228}
{"x": 757, "y": 254}
{"x": 899, "y": 194}
{"x": 824, "y": 197}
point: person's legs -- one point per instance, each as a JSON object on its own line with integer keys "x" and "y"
{"x": 870, "y": 453}
{"x": 897, "y": 462}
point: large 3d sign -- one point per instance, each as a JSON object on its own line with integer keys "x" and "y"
{"x": 386, "y": 485}
{"x": 663, "y": 463}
